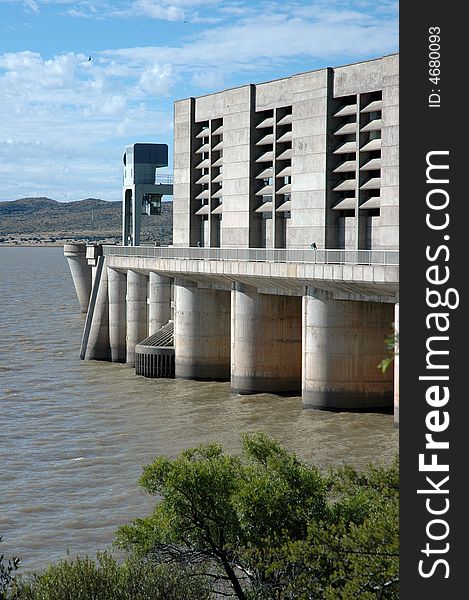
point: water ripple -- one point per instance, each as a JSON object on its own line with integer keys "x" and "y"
{"x": 75, "y": 434}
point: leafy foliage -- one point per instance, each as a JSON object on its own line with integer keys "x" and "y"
{"x": 105, "y": 579}
{"x": 268, "y": 526}
{"x": 392, "y": 348}
{"x": 7, "y": 574}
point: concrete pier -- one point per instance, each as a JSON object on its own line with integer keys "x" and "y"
{"x": 202, "y": 332}
{"x": 117, "y": 289}
{"x": 159, "y": 302}
{"x": 96, "y": 346}
{"x": 265, "y": 342}
{"x": 80, "y": 271}
{"x": 396, "y": 364}
{"x": 343, "y": 343}
{"x": 259, "y": 323}
{"x": 137, "y": 328}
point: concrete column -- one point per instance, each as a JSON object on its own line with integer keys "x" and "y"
{"x": 396, "y": 364}
{"x": 343, "y": 343}
{"x": 117, "y": 287}
{"x": 137, "y": 328}
{"x": 81, "y": 272}
{"x": 97, "y": 347}
{"x": 265, "y": 342}
{"x": 159, "y": 302}
{"x": 202, "y": 332}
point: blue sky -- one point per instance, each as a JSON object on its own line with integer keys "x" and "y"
{"x": 64, "y": 120}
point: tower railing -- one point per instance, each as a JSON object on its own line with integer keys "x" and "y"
{"x": 291, "y": 255}
{"x": 164, "y": 179}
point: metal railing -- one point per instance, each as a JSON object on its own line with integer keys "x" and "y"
{"x": 307, "y": 255}
{"x": 162, "y": 179}
{"x": 165, "y": 179}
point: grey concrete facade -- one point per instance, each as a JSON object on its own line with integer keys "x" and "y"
{"x": 342, "y": 346}
{"x": 396, "y": 363}
{"x": 117, "y": 290}
{"x": 265, "y": 342}
{"x": 136, "y": 315}
{"x": 309, "y": 158}
{"x": 159, "y": 301}
{"x": 202, "y": 332}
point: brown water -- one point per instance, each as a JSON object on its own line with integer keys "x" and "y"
{"x": 74, "y": 434}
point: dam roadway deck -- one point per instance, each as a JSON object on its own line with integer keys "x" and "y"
{"x": 349, "y": 274}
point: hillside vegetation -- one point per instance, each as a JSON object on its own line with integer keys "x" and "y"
{"x": 41, "y": 220}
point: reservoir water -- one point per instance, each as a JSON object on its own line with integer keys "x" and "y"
{"x": 74, "y": 434}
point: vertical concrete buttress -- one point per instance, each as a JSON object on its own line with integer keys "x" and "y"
{"x": 97, "y": 343}
{"x": 343, "y": 343}
{"x": 80, "y": 271}
{"x": 137, "y": 328}
{"x": 201, "y": 332}
{"x": 117, "y": 288}
{"x": 265, "y": 342}
{"x": 396, "y": 363}
{"x": 159, "y": 302}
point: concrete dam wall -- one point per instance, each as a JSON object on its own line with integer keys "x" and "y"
{"x": 265, "y": 326}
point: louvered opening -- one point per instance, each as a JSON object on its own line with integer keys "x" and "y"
{"x": 268, "y": 122}
{"x": 204, "y": 164}
{"x": 355, "y": 173}
{"x": 204, "y": 210}
{"x": 285, "y": 155}
{"x": 205, "y": 148}
{"x": 346, "y": 167}
{"x": 266, "y": 173}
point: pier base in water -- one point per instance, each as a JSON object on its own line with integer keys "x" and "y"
{"x": 80, "y": 271}
{"x": 343, "y": 344}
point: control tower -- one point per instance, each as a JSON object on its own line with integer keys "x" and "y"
{"x": 143, "y": 188}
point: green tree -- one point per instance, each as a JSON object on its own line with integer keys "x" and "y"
{"x": 103, "y": 578}
{"x": 392, "y": 348}
{"x": 266, "y": 525}
{"x": 7, "y": 574}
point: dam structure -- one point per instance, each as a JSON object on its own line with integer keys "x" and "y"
{"x": 283, "y": 276}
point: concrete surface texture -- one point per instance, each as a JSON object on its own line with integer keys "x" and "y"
{"x": 98, "y": 345}
{"x": 117, "y": 290}
{"x": 396, "y": 363}
{"x": 159, "y": 301}
{"x": 80, "y": 271}
{"x": 137, "y": 328}
{"x": 308, "y": 158}
{"x": 265, "y": 342}
{"x": 343, "y": 343}
{"x": 202, "y": 332}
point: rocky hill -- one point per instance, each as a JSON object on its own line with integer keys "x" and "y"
{"x": 42, "y": 220}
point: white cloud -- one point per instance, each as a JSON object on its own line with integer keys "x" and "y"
{"x": 166, "y": 10}
{"x": 32, "y": 5}
{"x": 209, "y": 80}
{"x": 247, "y": 47}
{"x": 158, "y": 79}
{"x": 65, "y": 119}
{"x": 159, "y": 10}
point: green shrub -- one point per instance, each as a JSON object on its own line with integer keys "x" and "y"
{"x": 84, "y": 578}
{"x": 271, "y": 526}
{"x": 7, "y": 574}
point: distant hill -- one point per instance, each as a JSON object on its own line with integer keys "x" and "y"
{"x": 36, "y": 220}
